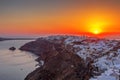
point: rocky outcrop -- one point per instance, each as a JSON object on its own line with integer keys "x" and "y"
{"x": 12, "y": 48}
{"x": 60, "y": 61}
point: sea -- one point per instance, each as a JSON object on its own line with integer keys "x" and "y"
{"x": 15, "y": 65}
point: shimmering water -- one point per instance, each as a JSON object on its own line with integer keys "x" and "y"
{"x": 15, "y": 65}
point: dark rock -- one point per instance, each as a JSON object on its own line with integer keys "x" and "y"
{"x": 12, "y": 48}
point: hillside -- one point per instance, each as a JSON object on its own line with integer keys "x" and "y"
{"x": 75, "y": 58}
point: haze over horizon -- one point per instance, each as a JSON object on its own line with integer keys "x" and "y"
{"x": 42, "y": 17}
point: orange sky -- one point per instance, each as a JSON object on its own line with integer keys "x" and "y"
{"x": 76, "y": 17}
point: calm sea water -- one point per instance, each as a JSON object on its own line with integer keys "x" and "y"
{"x": 15, "y": 65}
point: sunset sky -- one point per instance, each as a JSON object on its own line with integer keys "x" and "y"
{"x": 31, "y": 17}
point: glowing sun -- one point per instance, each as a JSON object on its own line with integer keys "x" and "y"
{"x": 96, "y": 28}
{"x": 96, "y": 31}
{"x": 97, "y": 24}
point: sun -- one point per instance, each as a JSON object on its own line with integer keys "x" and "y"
{"x": 96, "y": 27}
{"x": 96, "y": 24}
{"x": 96, "y": 31}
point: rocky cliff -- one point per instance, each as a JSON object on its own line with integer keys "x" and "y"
{"x": 60, "y": 61}
{"x": 75, "y": 58}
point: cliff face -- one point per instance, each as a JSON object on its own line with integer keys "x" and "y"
{"x": 63, "y": 66}
{"x": 60, "y": 62}
{"x": 75, "y": 58}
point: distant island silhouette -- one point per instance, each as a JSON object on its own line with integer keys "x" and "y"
{"x": 4, "y": 39}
